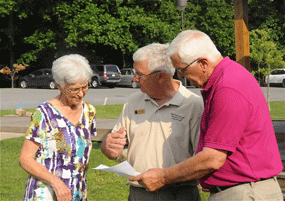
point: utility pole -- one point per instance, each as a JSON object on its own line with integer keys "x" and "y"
{"x": 181, "y": 5}
{"x": 241, "y": 33}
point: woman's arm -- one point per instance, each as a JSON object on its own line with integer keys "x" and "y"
{"x": 28, "y": 163}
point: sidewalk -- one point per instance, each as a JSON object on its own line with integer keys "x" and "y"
{"x": 13, "y": 126}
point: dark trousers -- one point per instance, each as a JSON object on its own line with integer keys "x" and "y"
{"x": 186, "y": 192}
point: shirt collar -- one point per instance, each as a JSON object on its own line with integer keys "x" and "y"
{"x": 177, "y": 99}
{"x": 216, "y": 73}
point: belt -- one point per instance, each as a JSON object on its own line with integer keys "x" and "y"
{"x": 217, "y": 189}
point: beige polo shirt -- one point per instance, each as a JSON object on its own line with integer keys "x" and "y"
{"x": 161, "y": 136}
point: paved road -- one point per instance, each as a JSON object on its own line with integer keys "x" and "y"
{"x": 31, "y": 98}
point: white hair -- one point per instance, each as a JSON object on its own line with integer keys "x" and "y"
{"x": 71, "y": 68}
{"x": 192, "y": 44}
{"x": 155, "y": 54}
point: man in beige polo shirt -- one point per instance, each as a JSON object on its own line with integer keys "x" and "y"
{"x": 161, "y": 124}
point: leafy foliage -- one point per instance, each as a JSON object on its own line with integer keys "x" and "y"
{"x": 265, "y": 51}
{"x": 264, "y": 14}
{"x": 112, "y": 30}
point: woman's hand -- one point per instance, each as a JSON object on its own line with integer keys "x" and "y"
{"x": 28, "y": 163}
{"x": 62, "y": 192}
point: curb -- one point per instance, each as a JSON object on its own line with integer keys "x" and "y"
{"x": 8, "y": 132}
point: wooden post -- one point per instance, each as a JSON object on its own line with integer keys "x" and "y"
{"x": 241, "y": 33}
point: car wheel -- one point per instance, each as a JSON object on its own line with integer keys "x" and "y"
{"x": 134, "y": 85}
{"x": 283, "y": 83}
{"x": 52, "y": 85}
{"x": 94, "y": 83}
{"x": 23, "y": 84}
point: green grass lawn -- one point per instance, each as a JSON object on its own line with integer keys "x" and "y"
{"x": 277, "y": 110}
{"x": 101, "y": 185}
{"x": 113, "y": 111}
{"x": 102, "y": 111}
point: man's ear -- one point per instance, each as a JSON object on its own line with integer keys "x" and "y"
{"x": 162, "y": 74}
{"x": 203, "y": 62}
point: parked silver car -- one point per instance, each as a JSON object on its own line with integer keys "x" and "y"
{"x": 276, "y": 77}
{"x": 127, "y": 75}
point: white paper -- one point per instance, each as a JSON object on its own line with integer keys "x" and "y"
{"x": 123, "y": 169}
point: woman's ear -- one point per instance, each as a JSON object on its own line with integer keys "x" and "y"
{"x": 59, "y": 87}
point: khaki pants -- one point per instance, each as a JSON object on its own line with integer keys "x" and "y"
{"x": 262, "y": 190}
{"x": 186, "y": 192}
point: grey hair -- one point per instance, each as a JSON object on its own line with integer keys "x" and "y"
{"x": 71, "y": 68}
{"x": 192, "y": 44}
{"x": 155, "y": 54}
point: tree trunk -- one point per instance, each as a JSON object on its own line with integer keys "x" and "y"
{"x": 11, "y": 44}
{"x": 268, "y": 97}
{"x": 123, "y": 59}
{"x": 258, "y": 66}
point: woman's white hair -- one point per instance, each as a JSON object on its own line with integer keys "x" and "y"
{"x": 192, "y": 44}
{"x": 155, "y": 54}
{"x": 71, "y": 68}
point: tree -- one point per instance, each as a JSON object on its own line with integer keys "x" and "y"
{"x": 15, "y": 69}
{"x": 268, "y": 14}
{"x": 257, "y": 39}
{"x": 16, "y": 18}
{"x": 127, "y": 25}
{"x": 266, "y": 53}
{"x": 216, "y": 18}
{"x": 273, "y": 60}
{"x": 111, "y": 30}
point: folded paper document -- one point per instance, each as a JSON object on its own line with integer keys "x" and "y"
{"x": 123, "y": 169}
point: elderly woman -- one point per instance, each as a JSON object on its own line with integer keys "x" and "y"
{"x": 58, "y": 142}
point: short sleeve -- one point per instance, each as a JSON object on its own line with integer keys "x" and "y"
{"x": 92, "y": 119}
{"x": 229, "y": 114}
{"x": 121, "y": 120}
{"x": 37, "y": 128}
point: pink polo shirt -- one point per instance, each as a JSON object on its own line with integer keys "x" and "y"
{"x": 236, "y": 119}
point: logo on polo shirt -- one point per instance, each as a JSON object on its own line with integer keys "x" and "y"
{"x": 140, "y": 111}
{"x": 177, "y": 117}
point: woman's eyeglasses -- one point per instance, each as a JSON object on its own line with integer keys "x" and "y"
{"x": 75, "y": 91}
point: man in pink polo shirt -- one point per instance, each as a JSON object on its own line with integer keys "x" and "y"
{"x": 237, "y": 156}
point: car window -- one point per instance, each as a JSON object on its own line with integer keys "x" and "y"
{"x": 112, "y": 68}
{"x": 47, "y": 72}
{"x": 38, "y": 73}
{"x": 278, "y": 72}
{"x": 100, "y": 68}
{"x": 123, "y": 72}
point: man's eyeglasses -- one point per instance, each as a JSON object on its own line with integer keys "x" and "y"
{"x": 142, "y": 76}
{"x": 75, "y": 91}
{"x": 181, "y": 71}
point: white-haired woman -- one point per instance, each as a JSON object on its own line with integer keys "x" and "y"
{"x": 57, "y": 146}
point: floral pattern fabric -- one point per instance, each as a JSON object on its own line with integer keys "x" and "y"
{"x": 64, "y": 150}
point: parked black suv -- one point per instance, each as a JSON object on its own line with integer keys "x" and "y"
{"x": 107, "y": 74}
